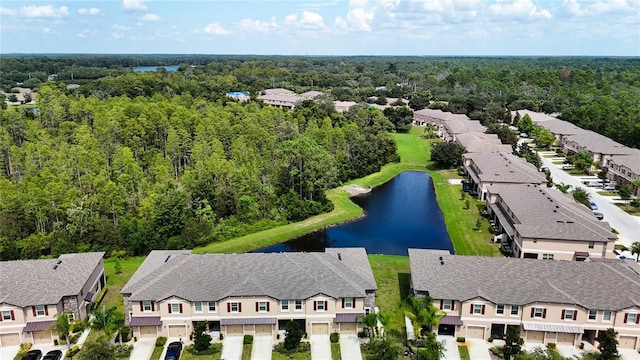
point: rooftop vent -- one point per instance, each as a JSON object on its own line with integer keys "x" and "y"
{"x": 440, "y": 258}
{"x": 167, "y": 259}
{"x": 59, "y": 262}
{"x": 339, "y": 256}
{"x": 441, "y": 262}
{"x": 55, "y": 267}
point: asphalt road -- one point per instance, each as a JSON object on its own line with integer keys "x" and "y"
{"x": 628, "y": 226}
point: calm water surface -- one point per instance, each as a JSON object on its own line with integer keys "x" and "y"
{"x": 400, "y": 214}
{"x": 153, "y": 68}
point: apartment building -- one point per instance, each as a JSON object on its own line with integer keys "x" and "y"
{"x": 562, "y": 302}
{"x": 479, "y": 142}
{"x": 33, "y": 292}
{"x": 252, "y": 293}
{"x": 625, "y": 169}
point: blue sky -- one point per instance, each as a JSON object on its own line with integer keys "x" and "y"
{"x": 356, "y": 27}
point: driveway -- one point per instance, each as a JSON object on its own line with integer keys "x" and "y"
{"x": 627, "y": 226}
{"x": 478, "y": 349}
{"x": 320, "y": 347}
{"x": 9, "y": 352}
{"x": 143, "y": 348}
{"x": 232, "y": 348}
{"x": 450, "y": 347}
{"x": 262, "y": 348}
{"x": 350, "y": 347}
{"x": 629, "y": 354}
{"x": 569, "y": 351}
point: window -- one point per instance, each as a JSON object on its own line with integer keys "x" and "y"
{"x": 320, "y": 305}
{"x": 569, "y": 314}
{"x": 514, "y": 309}
{"x": 593, "y": 314}
{"x": 298, "y": 305}
{"x": 212, "y": 306}
{"x": 547, "y": 256}
{"x": 591, "y": 244}
{"x": 7, "y": 315}
{"x": 631, "y": 318}
{"x": 606, "y": 315}
{"x": 284, "y": 305}
{"x": 262, "y": 306}
{"x": 477, "y": 309}
{"x": 347, "y": 303}
{"x": 146, "y": 306}
{"x": 198, "y": 306}
{"x": 447, "y": 304}
{"x": 500, "y": 309}
{"x": 40, "y": 310}
{"x": 367, "y": 310}
{"x": 234, "y": 306}
{"x": 175, "y": 308}
{"x": 538, "y": 313}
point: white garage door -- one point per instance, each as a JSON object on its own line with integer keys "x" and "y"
{"x": 263, "y": 330}
{"x": 567, "y": 339}
{"x": 234, "y": 330}
{"x": 177, "y": 331}
{"x": 348, "y": 328}
{"x": 319, "y": 329}
{"x": 535, "y": 336}
{"x": 627, "y": 342}
{"x": 148, "y": 331}
{"x": 10, "y": 339}
{"x": 475, "y": 332}
{"x": 42, "y": 337}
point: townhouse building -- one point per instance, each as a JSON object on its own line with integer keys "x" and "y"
{"x": 625, "y": 169}
{"x": 285, "y": 98}
{"x": 542, "y": 223}
{"x": 562, "y": 302}
{"x": 252, "y": 293}
{"x": 476, "y": 142}
{"x": 600, "y": 147}
{"x": 33, "y": 292}
{"x": 484, "y": 169}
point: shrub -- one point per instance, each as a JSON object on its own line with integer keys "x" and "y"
{"x": 161, "y": 340}
{"x": 497, "y": 351}
{"x": 126, "y": 334}
{"x": 55, "y": 342}
{"x": 100, "y": 297}
{"x": 74, "y": 350}
{"x": 461, "y": 339}
{"x": 361, "y": 334}
{"x": 334, "y": 337}
{"x": 125, "y": 353}
{"x": 551, "y": 346}
{"x": 78, "y": 325}
{"x": 24, "y": 347}
{"x": 248, "y": 339}
{"x": 490, "y": 339}
{"x": 73, "y": 339}
{"x": 210, "y": 351}
{"x": 221, "y": 337}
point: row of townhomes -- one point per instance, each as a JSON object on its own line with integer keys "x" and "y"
{"x": 562, "y": 302}
{"x": 622, "y": 162}
{"x": 285, "y": 98}
{"x": 33, "y": 292}
{"x": 252, "y": 293}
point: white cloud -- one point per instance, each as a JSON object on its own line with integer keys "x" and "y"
{"x": 120, "y": 27}
{"x": 46, "y": 30}
{"x": 45, "y": 11}
{"x": 519, "y": 9}
{"x": 150, "y": 17}
{"x": 309, "y": 20}
{"x": 7, "y": 11}
{"x": 215, "y": 29}
{"x": 258, "y": 25}
{"x": 91, "y": 11}
{"x": 134, "y": 4}
{"x": 358, "y": 18}
{"x": 117, "y": 35}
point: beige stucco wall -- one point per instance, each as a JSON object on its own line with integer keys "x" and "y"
{"x": 562, "y": 249}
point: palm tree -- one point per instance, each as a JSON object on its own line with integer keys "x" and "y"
{"x": 371, "y": 322}
{"x": 581, "y": 196}
{"x": 635, "y": 250}
{"x": 423, "y": 315}
{"x": 109, "y": 320}
{"x": 63, "y": 327}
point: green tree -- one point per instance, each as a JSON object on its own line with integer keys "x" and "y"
{"x": 512, "y": 342}
{"x": 635, "y": 250}
{"x": 506, "y": 135}
{"x": 371, "y": 322}
{"x": 432, "y": 348}
{"x": 62, "y": 327}
{"x": 292, "y": 336}
{"x": 547, "y": 174}
{"x": 608, "y": 344}
{"x": 625, "y": 193}
{"x": 543, "y": 138}
{"x": 383, "y": 349}
{"x": 424, "y": 316}
{"x": 581, "y": 196}
{"x": 525, "y": 124}
{"x": 100, "y": 349}
{"x": 564, "y": 188}
{"x": 110, "y": 320}
{"x": 201, "y": 339}
{"x": 447, "y": 154}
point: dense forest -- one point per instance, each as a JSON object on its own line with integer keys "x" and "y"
{"x": 136, "y": 161}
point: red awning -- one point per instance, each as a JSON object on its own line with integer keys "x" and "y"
{"x": 34, "y": 326}
{"x": 347, "y": 317}
{"x": 146, "y": 321}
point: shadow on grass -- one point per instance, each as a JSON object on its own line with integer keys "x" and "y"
{"x": 403, "y": 285}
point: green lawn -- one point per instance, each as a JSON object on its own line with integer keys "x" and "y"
{"x": 116, "y": 282}
{"x": 246, "y": 351}
{"x": 464, "y": 352}
{"x": 335, "y": 351}
{"x": 157, "y": 351}
{"x": 392, "y": 278}
{"x": 295, "y": 356}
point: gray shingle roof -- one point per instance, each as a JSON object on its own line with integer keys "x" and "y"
{"x": 501, "y": 167}
{"x": 439, "y": 114}
{"x": 631, "y": 161}
{"x": 599, "y": 143}
{"x": 482, "y": 142}
{"x": 598, "y": 285}
{"x": 37, "y": 282}
{"x": 206, "y": 277}
{"x": 547, "y": 213}
{"x": 460, "y": 125}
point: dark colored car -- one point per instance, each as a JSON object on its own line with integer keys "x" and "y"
{"x": 32, "y": 355}
{"x": 173, "y": 351}
{"x": 53, "y": 355}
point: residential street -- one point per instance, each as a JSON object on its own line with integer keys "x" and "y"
{"x": 627, "y": 226}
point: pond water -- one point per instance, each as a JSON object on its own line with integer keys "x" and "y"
{"x": 400, "y": 214}
{"x": 154, "y": 68}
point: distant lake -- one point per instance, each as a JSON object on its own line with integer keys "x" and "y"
{"x": 154, "y": 68}
{"x": 400, "y": 214}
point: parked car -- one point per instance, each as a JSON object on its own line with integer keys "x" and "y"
{"x": 544, "y": 169}
{"x": 596, "y": 184}
{"x": 593, "y": 206}
{"x": 53, "y": 355}
{"x": 609, "y": 187}
{"x": 598, "y": 215}
{"x": 173, "y": 351}
{"x": 32, "y": 355}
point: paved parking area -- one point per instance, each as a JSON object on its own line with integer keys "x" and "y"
{"x": 320, "y": 347}
{"x": 143, "y": 348}
{"x": 262, "y": 348}
{"x": 232, "y": 348}
{"x": 450, "y": 347}
{"x": 350, "y": 347}
{"x": 9, "y": 352}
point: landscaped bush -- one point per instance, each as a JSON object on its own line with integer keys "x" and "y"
{"x": 125, "y": 353}
{"x": 302, "y": 347}
{"x": 78, "y": 326}
{"x": 25, "y": 347}
{"x": 334, "y": 337}
{"x": 361, "y": 334}
{"x": 74, "y": 338}
{"x": 461, "y": 339}
{"x": 490, "y": 339}
{"x": 551, "y": 346}
{"x": 161, "y": 340}
{"x": 497, "y": 351}
{"x": 74, "y": 350}
{"x": 99, "y": 298}
{"x": 248, "y": 339}
{"x": 126, "y": 334}
{"x": 213, "y": 349}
